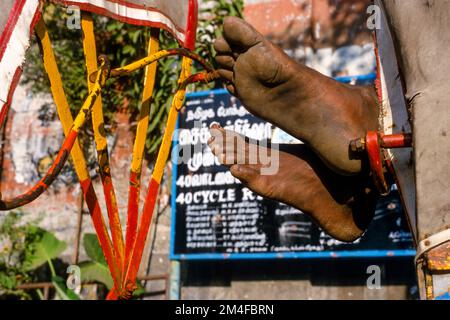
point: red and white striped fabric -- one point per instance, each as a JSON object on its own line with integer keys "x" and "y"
{"x": 179, "y": 17}
{"x": 16, "y": 25}
{"x": 18, "y": 18}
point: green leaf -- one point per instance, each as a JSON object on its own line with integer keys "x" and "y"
{"x": 135, "y": 35}
{"x": 47, "y": 248}
{"x": 62, "y": 290}
{"x": 95, "y": 271}
{"x": 128, "y": 49}
{"x": 93, "y": 249}
{"x": 7, "y": 281}
{"x": 140, "y": 290}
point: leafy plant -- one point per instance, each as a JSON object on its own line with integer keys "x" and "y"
{"x": 25, "y": 249}
{"x": 46, "y": 248}
{"x": 62, "y": 290}
{"x": 96, "y": 269}
{"x": 16, "y": 242}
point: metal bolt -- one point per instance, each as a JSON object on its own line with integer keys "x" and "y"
{"x": 357, "y": 145}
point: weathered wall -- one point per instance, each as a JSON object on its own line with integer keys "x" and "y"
{"x": 327, "y": 35}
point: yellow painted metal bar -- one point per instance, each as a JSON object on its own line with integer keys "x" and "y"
{"x": 139, "y": 146}
{"x": 177, "y": 104}
{"x": 129, "y": 68}
{"x": 76, "y": 153}
{"x": 139, "y": 64}
{"x": 149, "y": 84}
{"x": 152, "y": 192}
{"x": 62, "y": 106}
{"x": 89, "y": 103}
{"x": 90, "y": 52}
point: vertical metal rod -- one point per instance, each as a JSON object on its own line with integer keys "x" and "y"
{"x": 2, "y": 149}
{"x": 175, "y": 283}
{"x": 76, "y": 253}
{"x": 46, "y": 292}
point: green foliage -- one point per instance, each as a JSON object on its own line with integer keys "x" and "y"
{"x": 92, "y": 248}
{"x": 47, "y": 247}
{"x": 16, "y": 243}
{"x": 97, "y": 272}
{"x": 211, "y": 17}
{"x": 25, "y": 248}
{"x": 97, "y": 269}
{"x": 62, "y": 290}
{"x": 123, "y": 43}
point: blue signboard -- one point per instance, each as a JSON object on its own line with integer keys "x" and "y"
{"x": 215, "y": 217}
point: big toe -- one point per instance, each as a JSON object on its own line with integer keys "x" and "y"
{"x": 240, "y": 35}
{"x": 247, "y": 174}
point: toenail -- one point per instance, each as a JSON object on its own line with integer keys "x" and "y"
{"x": 215, "y": 125}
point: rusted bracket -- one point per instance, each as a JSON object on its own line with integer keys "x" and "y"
{"x": 433, "y": 266}
{"x": 373, "y": 143}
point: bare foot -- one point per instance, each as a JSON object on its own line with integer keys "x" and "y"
{"x": 320, "y": 111}
{"x": 342, "y": 206}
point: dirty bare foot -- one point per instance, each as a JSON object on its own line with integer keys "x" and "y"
{"x": 342, "y": 206}
{"x": 322, "y": 112}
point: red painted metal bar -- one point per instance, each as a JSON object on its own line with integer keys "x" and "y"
{"x": 373, "y": 143}
{"x": 152, "y": 193}
{"x": 94, "y": 208}
{"x": 100, "y": 229}
{"x": 61, "y": 157}
{"x": 401, "y": 140}
{"x": 144, "y": 225}
{"x": 133, "y": 209}
{"x": 376, "y": 162}
{"x": 191, "y": 27}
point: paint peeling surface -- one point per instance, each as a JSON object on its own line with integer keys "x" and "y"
{"x": 438, "y": 259}
{"x": 35, "y": 141}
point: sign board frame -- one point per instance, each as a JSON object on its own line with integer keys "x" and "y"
{"x": 266, "y": 255}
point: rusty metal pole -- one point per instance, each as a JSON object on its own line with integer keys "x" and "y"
{"x": 76, "y": 252}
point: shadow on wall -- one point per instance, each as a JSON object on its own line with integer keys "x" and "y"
{"x": 312, "y": 23}
{"x": 397, "y": 273}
